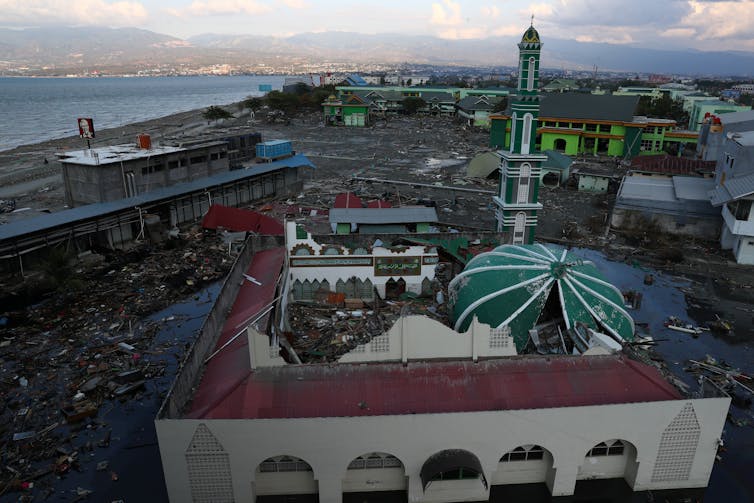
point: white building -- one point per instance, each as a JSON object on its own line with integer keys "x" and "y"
{"x": 421, "y": 414}
{"x": 734, "y": 191}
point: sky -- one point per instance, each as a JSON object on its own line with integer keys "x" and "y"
{"x": 667, "y": 24}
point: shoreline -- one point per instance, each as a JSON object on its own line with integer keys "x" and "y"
{"x": 30, "y": 173}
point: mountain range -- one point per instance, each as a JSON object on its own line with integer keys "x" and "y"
{"x": 67, "y": 47}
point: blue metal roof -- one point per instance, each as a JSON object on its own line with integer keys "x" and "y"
{"x": 44, "y": 222}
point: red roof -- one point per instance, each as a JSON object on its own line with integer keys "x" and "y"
{"x": 237, "y": 220}
{"x": 671, "y": 165}
{"x": 379, "y": 204}
{"x": 342, "y": 390}
{"x": 347, "y": 200}
{"x": 230, "y": 367}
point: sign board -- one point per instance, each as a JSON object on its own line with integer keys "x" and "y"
{"x": 86, "y": 127}
{"x": 335, "y": 261}
{"x": 397, "y": 266}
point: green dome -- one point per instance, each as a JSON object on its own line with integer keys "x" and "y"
{"x": 530, "y": 36}
{"x": 511, "y": 285}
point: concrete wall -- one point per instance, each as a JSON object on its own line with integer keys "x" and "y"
{"x": 189, "y": 370}
{"x": 696, "y": 227}
{"x": 330, "y": 444}
{"x": 420, "y": 338}
{"x": 301, "y": 268}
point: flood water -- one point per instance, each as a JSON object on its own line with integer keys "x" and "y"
{"x": 134, "y": 456}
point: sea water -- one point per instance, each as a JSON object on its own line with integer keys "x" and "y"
{"x": 38, "y": 109}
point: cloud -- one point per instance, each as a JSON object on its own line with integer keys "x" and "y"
{"x": 221, "y": 7}
{"x": 447, "y": 15}
{"x": 296, "y": 4}
{"x": 721, "y": 20}
{"x": 580, "y": 13}
{"x": 79, "y": 12}
{"x": 491, "y": 12}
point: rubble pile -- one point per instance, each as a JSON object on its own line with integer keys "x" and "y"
{"x": 65, "y": 361}
{"x": 332, "y": 325}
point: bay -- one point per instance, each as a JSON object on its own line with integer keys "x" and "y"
{"x": 39, "y": 109}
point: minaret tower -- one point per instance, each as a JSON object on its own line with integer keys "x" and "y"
{"x": 516, "y": 202}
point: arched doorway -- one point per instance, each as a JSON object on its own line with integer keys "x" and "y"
{"x": 375, "y": 476}
{"x": 394, "y": 289}
{"x": 611, "y": 459}
{"x": 453, "y": 475}
{"x": 285, "y": 479}
{"x": 525, "y": 473}
{"x": 560, "y": 145}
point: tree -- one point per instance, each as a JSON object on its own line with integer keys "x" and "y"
{"x": 215, "y": 113}
{"x": 253, "y": 103}
{"x": 412, "y": 104}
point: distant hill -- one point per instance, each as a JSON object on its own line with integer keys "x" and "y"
{"x": 82, "y": 47}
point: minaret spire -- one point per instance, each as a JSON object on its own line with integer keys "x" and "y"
{"x": 518, "y": 192}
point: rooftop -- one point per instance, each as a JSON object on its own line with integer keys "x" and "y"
{"x": 516, "y": 383}
{"x": 123, "y": 153}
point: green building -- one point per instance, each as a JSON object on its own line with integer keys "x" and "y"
{"x": 518, "y": 190}
{"x": 713, "y": 107}
{"x": 353, "y": 110}
{"x": 576, "y": 123}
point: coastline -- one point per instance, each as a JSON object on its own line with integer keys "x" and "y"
{"x": 30, "y": 174}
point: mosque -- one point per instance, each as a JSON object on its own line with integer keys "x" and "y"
{"x": 431, "y": 413}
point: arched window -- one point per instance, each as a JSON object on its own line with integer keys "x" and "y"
{"x": 526, "y": 136}
{"x": 530, "y": 75}
{"x": 522, "y": 196}
{"x": 519, "y": 228}
{"x": 513, "y": 130}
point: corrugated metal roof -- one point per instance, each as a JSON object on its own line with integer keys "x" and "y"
{"x": 659, "y": 195}
{"x": 510, "y": 285}
{"x": 230, "y": 367}
{"x": 346, "y": 390}
{"x": 401, "y": 215}
{"x": 741, "y": 186}
{"x": 744, "y": 138}
{"x": 692, "y": 188}
{"x": 89, "y": 211}
{"x": 671, "y": 165}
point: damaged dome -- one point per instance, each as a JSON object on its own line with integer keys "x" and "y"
{"x": 513, "y": 285}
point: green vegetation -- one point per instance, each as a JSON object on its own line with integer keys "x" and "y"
{"x": 412, "y": 104}
{"x": 215, "y": 113}
{"x": 303, "y": 97}
{"x": 663, "y": 108}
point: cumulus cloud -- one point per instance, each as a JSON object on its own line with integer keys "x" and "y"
{"x": 721, "y": 19}
{"x": 221, "y": 7}
{"x": 447, "y": 13}
{"x": 79, "y": 12}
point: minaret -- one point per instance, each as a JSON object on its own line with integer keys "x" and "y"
{"x": 516, "y": 202}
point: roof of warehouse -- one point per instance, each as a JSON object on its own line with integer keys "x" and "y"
{"x": 344, "y": 390}
{"x": 400, "y": 215}
{"x": 67, "y": 217}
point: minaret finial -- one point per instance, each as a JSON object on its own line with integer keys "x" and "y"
{"x": 532, "y": 20}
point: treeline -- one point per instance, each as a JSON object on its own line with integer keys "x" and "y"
{"x": 303, "y": 97}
